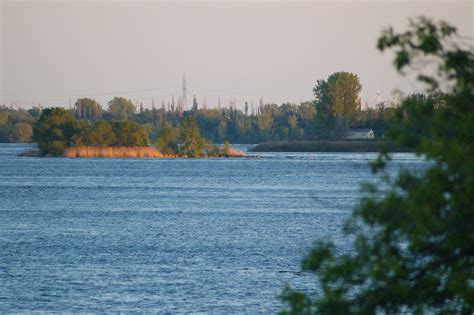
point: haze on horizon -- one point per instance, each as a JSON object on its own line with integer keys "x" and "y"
{"x": 53, "y": 52}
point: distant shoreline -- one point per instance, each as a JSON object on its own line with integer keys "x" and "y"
{"x": 327, "y": 146}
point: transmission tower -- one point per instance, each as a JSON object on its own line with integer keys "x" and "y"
{"x": 185, "y": 100}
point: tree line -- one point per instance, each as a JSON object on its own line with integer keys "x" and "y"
{"x": 336, "y": 108}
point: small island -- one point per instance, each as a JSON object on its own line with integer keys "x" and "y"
{"x": 58, "y": 133}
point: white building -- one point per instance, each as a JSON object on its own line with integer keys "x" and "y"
{"x": 360, "y": 134}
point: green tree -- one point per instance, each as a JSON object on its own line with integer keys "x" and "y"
{"x": 192, "y": 143}
{"x": 101, "y": 134}
{"x": 306, "y": 114}
{"x": 88, "y": 108}
{"x": 121, "y": 108}
{"x": 413, "y": 241}
{"x": 265, "y": 119}
{"x": 54, "y": 130}
{"x": 82, "y": 134}
{"x": 222, "y": 129}
{"x": 337, "y": 102}
{"x": 129, "y": 134}
{"x": 168, "y": 139}
{"x": 21, "y": 133}
{"x": 195, "y": 105}
{"x": 5, "y": 130}
{"x": 292, "y": 122}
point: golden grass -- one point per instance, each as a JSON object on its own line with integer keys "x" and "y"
{"x": 235, "y": 153}
{"x": 114, "y": 152}
{"x": 129, "y": 152}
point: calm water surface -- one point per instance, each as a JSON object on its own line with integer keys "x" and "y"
{"x": 168, "y": 236}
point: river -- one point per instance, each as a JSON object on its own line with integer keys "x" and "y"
{"x": 168, "y": 235}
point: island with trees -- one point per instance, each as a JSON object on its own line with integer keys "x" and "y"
{"x": 58, "y": 133}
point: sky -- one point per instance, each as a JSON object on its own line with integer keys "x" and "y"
{"x": 53, "y": 52}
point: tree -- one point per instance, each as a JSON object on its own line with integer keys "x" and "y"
{"x": 101, "y": 134}
{"x": 307, "y": 113}
{"x": 337, "y": 101}
{"x": 191, "y": 142}
{"x": 265, "y": 119}
{"x": 121, "y": 108}
{"x": 413, "y": 241}
{"x": 5, "y": 131}
{"x": 167, "y": 140}
{"x": 54, "y": 130}
{"x": 195, "y": 105}
{"x": 81, "y": 136}
{"x": 222, "y": 129}
{"x": 129, "y": 134}
{"x": 88, "y": 108}
{"x": 21, "y": 133}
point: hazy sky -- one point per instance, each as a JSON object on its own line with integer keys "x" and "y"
{"x": 55, "y": 51}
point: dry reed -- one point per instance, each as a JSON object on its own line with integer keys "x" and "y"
{"x": 235, "y": 153}
{"x": 129, "y": 152}
{"x": 114, "y": 152}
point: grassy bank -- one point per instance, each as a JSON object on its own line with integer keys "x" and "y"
{"x": 326, "y": 146}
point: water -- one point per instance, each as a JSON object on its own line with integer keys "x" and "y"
{"x": 168, "y": 235}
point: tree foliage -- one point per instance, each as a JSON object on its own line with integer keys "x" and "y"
{"x": 121, "y": 108}
{"x": 100, "y": 134}
{"x": 54, "y": 131}
{"x": 413, "y": 243}
{"x": 269, "y": 122}
{"x": 168, "y": 140}
{"x": 88, "y": 108}
{"x": 192, "y": 143}
{"x": 10, "y": 118}
{"x": 21, "y": 133}
{"x": 129, "y": 134}
{"x": 337, "y": 103}
{"x": 57, "y": 129}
